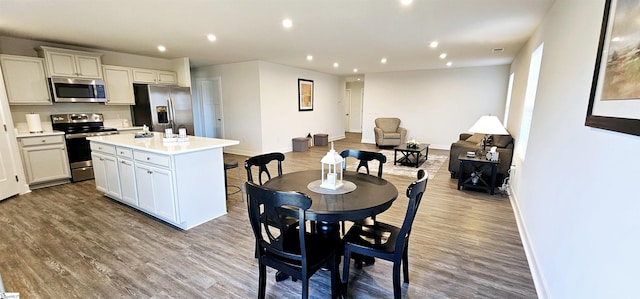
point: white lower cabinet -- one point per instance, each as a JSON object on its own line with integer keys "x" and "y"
{"x": 45, "y": 160}
{"x": 127, "y": 181}
{"x": 105, "y": 169}
{"x": 155, "y": 191}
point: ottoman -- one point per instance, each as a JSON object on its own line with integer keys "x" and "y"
{"x": 321, "y": 139}
{"x": 300, "y": 144}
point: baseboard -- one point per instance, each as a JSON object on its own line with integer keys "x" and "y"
{"x": 538, "y": 277}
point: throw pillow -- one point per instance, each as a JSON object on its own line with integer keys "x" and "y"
{"x": 475, "y": 138}
{"x": 502, "y": 140}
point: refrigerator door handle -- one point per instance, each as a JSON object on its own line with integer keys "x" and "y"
{"x": 170, "y": 111}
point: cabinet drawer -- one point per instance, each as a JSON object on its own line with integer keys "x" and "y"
{"x": 42, "y": 140}
{"x": 100, "y": 147}
{"x": 156, "y": 159}
{"x": 124, "y": 152}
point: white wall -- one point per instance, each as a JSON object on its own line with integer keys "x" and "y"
{"x": 435, "y": 106}
{"x": 576, "y": 192}
{"x": 260, "y": 105}
{"x": 281, "y": 120}
{"x": 240, "y": 103}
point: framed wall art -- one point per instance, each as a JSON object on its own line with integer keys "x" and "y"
{"x": 305, "y": 95}
{"x": 614, "y": 103}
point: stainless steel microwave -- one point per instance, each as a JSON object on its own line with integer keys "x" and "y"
{"x": 73, "y": 90}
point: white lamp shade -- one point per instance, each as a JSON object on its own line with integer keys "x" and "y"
{"x": 490, "y": 125}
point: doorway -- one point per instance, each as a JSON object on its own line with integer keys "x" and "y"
{"x": 209, "y": 121}
{"x": 354, "y": 92}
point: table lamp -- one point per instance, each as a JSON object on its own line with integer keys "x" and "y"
{"x": 488, "y": 125}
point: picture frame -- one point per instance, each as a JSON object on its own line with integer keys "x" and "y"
{"x": 305, "y": 95}
{"x": 614, "y": 101}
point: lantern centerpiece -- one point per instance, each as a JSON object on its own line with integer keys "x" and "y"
{"x": 331, "y": 170}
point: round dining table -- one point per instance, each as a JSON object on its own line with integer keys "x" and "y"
{"x": 372, "y": 196}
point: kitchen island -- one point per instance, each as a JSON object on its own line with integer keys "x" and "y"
{"x": 181, "y": 183}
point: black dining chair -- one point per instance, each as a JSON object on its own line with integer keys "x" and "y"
{"x": 262, "y": 161}
{"x": 364, "y": 157}
{"x": 386, "y": 241}
{"x": 293, "y": 252}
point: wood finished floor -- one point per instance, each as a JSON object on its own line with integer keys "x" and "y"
{"x": 69, "y": 241}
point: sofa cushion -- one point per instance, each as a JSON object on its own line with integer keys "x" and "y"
{"x": 391, "y": 135}
{"x": 475, "y": 138}
{"x": 502, "y": 140}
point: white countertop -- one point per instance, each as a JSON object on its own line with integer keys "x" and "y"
{"x": 156, "y": 144}
{"x": 22, "y": 134}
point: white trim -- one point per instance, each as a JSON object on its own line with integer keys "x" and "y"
{"x": 538, "y": 277}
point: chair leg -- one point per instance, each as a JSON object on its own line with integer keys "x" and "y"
{"x": 405, "y": 263}
{"x": 345, "y": 268}
{"x": 335, "y": 277}
{"x": 397, "y": 292}
{"x": 305, "y": 287}
{"x": 262, "y": 281}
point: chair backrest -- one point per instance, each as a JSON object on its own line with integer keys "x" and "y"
{"x": 388, "y": 124}
{"x": 266, "y": 214}
{"x": 365, "y": 157}
{"x": 261, "y": 162}
{"x": 415, "y": 191}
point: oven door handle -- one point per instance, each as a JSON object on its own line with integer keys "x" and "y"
{"x": 83, "y": 135}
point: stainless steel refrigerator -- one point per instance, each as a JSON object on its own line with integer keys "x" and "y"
{"x": 163, "y": 106}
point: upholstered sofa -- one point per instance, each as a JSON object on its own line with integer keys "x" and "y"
{"x": 388, "y": 132}
{"x": 472, "y": 143}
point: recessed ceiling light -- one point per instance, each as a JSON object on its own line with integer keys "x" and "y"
{"x": 287, "y": 23}
{"x": 355, "y": 70}
{"x": 211, "y": 37}
{"x": 616, "y": 39}
{"x": 358, "y": 79}
{"x": 443, "y": 55}
{"x": 449, "y": 63}
{"x": 383, "y": 60}
{"x": 309, "y": 57}
{"x": 434, "y": 44}
{"x": 406, "y": 2}
{"x": 161, "y": 48}
{"x": 335, "y": 64}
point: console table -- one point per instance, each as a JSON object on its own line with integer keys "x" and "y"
{"x": 477, "y": 173}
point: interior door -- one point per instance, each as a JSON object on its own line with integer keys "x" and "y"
{"x": 8, "y": 184}
{"x": 347, "y": 109}
{"x": 210, "y": 107}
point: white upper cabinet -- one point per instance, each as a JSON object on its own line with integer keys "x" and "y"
{"x": 71, "y": 63}
{"x": 25, "y": 80}
{"x": 119, "y": 85}
{"x": 154, "y": 76}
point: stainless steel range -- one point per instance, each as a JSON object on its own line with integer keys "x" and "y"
{"x": 77, "y": 127}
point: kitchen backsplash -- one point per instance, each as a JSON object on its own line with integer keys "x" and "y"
{"x": 114, "y": 116}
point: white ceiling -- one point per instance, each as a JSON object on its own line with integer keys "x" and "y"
{"x": 354, "y": 33}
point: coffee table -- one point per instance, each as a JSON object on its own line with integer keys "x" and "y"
{"x": 411, "y": 156}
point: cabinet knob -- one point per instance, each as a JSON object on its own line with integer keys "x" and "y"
{"x": 148, "y": 158}
{"x": 44, "y": 140}
{"x": 149, "y": 171}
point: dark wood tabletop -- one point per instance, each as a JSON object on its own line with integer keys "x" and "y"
{"x": 372, "y": 195}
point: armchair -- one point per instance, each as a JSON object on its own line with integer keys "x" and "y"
{"x": 388, "y": 132}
